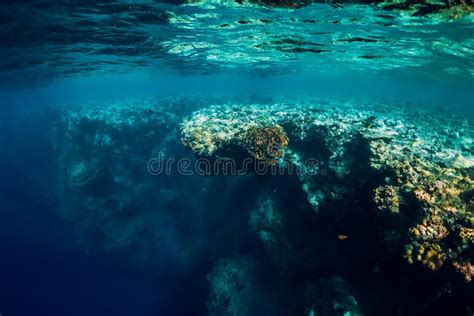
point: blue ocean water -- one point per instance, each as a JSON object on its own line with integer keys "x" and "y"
{"x": 130, "y": 243}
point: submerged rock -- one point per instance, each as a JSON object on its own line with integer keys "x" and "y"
{"x": 267, "y": 222}
{"x": 330, "y": 297}
{"x": 103, "y": 151}
{"x": 232, "y": 289}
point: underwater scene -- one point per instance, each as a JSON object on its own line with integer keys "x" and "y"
{"x": 237, "y": 157}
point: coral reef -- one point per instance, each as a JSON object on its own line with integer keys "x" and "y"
{"x": 439, "y": 232}
{"x": 330, "y": 297}
{"x": 103, "y": 150}
{"x": 266, "y": 221}
{"x": 359, "y": 186}
{"x": 387, "y": 199}
{"x": 266, "y": 144}
{"x": 466, "y": 269}
{"x": 232, "y": 287}
{"x": 430, "y": 256}
{"x": 415, "y": 168}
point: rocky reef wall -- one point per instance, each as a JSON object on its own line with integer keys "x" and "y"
{"x": 314, "y": 208}
{"x": 380, "y": 184}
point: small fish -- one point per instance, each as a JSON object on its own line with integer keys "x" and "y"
{"x": 342, "y": 237}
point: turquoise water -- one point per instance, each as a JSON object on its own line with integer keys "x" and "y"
{"x": 372, "y": 104}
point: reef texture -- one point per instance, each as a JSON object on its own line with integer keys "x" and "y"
{"x": 103, "y": 151}
{"x": 413, "y": 168}
{"x": 334, "y": 198}
{"x": 267, "y": 222}
{"x": 266, "y": 144}
{"x": 232, "y": 287}
{"x": 330, "y": 296}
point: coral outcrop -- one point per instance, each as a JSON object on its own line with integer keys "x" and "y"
{"x": 266, "y": 144}
{"x": 387, "y": 199}
{"x": 414, "y": 168}
{"x": 103, "y": 151}
{"x": 435, "y": 187}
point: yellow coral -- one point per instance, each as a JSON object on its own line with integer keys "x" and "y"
{"x": 432, "y": 230}
{"x": 430, "y": 255}
{"x": 433, "y": 260}
{"x": 467, "y": 235}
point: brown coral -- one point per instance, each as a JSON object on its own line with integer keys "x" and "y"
{"x": 266, "y": 144}
{"x": 387, "y": 199}
{"x": 466, "y": 269}
{"x": 440, "y": 208}
{"x": 432, "y": 230}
